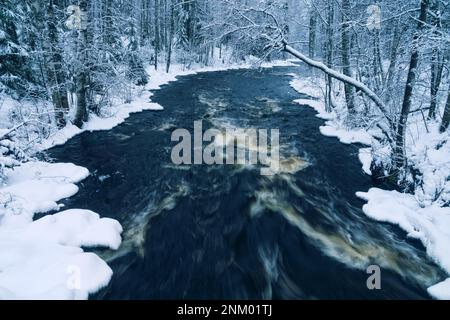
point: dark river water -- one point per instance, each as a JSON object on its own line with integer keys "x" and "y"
{"x": 226, "y": 231}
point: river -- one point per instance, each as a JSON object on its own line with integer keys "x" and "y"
{"x": 226, "y": 231}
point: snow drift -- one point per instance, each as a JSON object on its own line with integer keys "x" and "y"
{"x": 43, "y": 259}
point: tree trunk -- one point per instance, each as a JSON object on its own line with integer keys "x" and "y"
{"x": 329, "y": 53}
{"x": 165, "y": 23}
{"x": 377, "y": 67}
{"x": 348, "y": 89}
{"x": 144, "y": 34}
{"x": 170, "y": 38}
{"x": 393, "y": 57}
{"x": 156, "y": 44}
{"x": 55, "y": 73}
{"x": 437, "y": 63}
{"x": 437, "y": 66}
{"x": 446, "y": 117}
{"x": 108, "y": 23}
{"x": 191, "y": 25}
{"x": 312, "y": 33}
{"x": 82, "y": 77}
{"x": 399, "y": 150}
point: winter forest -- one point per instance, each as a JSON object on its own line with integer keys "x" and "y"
{"x": 91, "y": 90}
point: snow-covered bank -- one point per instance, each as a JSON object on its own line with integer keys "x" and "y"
{"x": 334, "y": 126}
{"x": 118, "y": 113}
{"x": 422, "y": 215}
{"x": 43, "y": 259}
{"x": 431, "y": 225}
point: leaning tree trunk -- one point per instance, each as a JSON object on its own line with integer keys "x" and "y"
{"x": 345, "y": 34}
{"x": 341, "y": 77}
{"x": 446, "y": 117}
{"x": 82, "y": 77}
{"x": 399, "y": 149}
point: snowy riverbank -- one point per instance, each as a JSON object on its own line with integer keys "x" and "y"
{"x": 421, "y": 215}
{"x": 43, "y": 259}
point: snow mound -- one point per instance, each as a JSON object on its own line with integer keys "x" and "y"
{"x": 76, "y": 228}
{"x": 441, "y": 290}
{"x": 34, "y": 187}
{"x": 365, "y": 157}
{"x": 430, "y": 225}
{"x": 43, "y": 259}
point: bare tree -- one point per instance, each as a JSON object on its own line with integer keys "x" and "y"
{"x": 399, "y": 151}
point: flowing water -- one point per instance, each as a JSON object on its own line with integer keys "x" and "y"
{"x": 226, "y": 231}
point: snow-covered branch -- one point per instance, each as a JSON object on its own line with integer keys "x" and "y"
{"x": 339, "y": 76}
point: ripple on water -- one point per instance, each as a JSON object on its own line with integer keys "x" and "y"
{"x": 356, "y": 252}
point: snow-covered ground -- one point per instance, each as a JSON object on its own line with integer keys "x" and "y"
{"x": 422, "y": 214}
{"x": 44, "y": 259}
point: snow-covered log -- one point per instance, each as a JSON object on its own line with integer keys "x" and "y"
{"x": 339, "y": 76}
